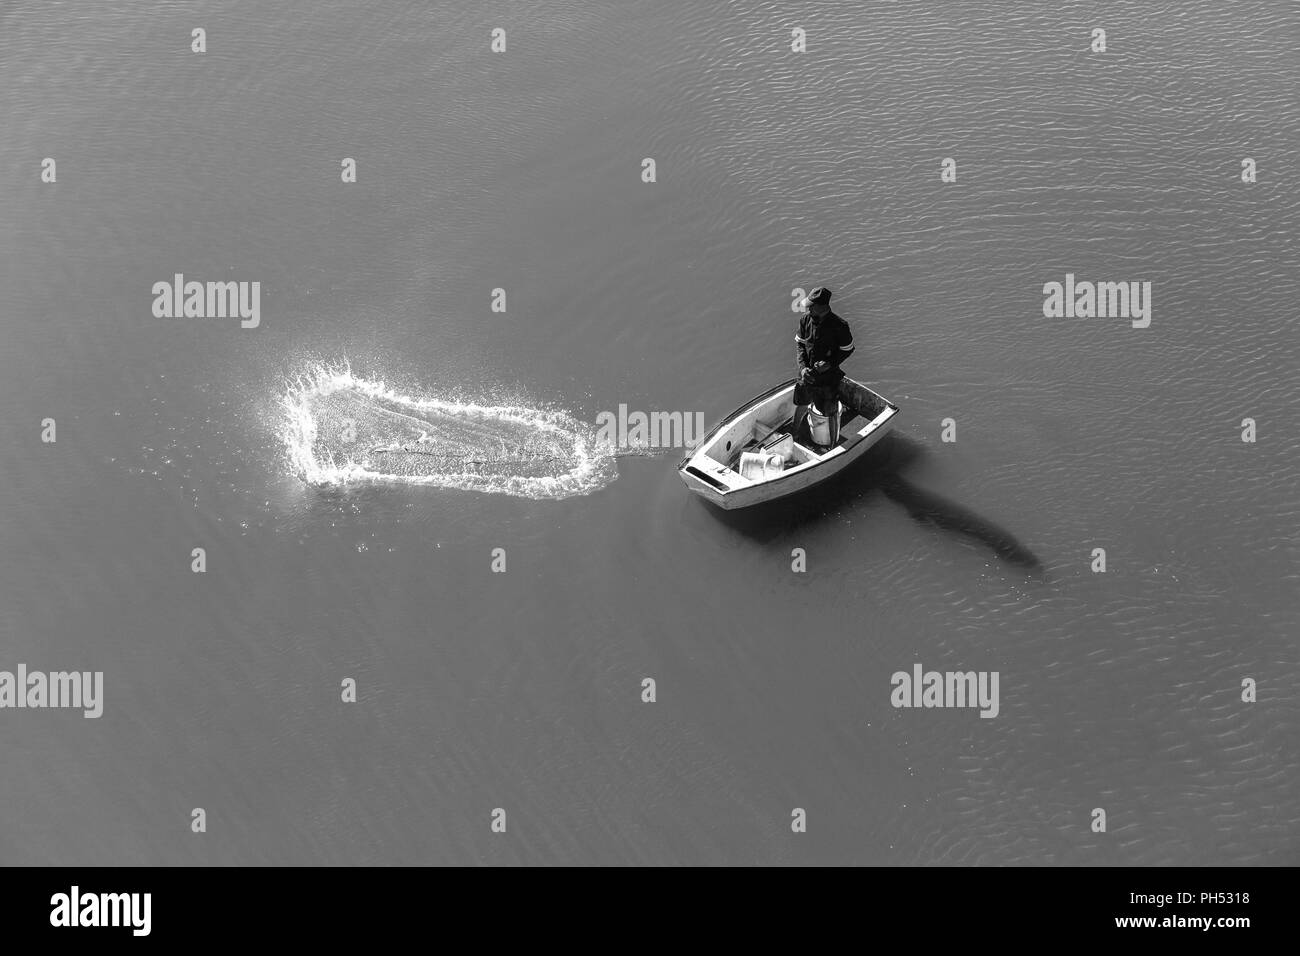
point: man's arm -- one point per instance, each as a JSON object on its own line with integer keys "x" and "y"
{"x": 844, "y": 349}
{"x": 801, "y": 343}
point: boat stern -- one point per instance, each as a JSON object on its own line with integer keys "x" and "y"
{"x": 703, "y": 476}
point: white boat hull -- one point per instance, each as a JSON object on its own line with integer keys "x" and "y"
{"x": 710, "y": 469}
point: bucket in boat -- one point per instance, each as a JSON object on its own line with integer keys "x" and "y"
{"x": 820, "y": 426}
{"x": 758, "y": 465}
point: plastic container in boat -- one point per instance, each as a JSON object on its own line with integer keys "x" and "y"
{"x": 757, "y": 465}
{"x": 782, "y": 444}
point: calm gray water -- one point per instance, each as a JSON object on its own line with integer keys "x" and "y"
{"x": 775, "y": 170}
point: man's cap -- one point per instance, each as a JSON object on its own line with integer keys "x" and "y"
{"x": 820, "y": 295}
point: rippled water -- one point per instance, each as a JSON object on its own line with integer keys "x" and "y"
{"x": 522, "y": 690}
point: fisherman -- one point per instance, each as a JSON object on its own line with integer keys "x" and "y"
{"x": 822, "y": 342}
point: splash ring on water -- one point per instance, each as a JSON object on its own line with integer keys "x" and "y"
{"x": 342, "y": 428}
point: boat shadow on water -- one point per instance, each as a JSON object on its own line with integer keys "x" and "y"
{"x": 881, "y": 469}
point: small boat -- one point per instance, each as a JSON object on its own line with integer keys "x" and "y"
{"x": 752, "y": 455}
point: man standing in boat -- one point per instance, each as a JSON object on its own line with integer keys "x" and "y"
{"x": 822, "y": 342}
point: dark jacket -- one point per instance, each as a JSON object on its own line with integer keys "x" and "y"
{"x": 823, "y": 340}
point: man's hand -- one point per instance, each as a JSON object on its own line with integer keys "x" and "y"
{"x": 804, "y": 375}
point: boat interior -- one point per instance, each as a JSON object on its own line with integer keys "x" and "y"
{"x": 768, "y": 427}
